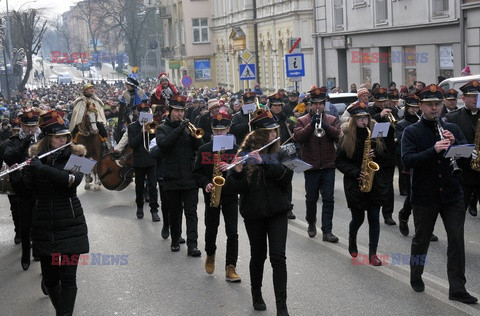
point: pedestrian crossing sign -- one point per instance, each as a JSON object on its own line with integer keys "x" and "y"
{"x": 247, "y": 72}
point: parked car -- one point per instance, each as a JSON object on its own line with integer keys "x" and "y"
{"x": 341, "y": 100}
{"x": 456, "y": 83}
{"x": 65, "y": 78}
{"x": 53, "y": 78}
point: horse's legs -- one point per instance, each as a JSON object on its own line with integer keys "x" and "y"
{"x": 96, "y": 186}
{"x": 88, "y": 180}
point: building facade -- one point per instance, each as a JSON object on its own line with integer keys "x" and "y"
{"x": 368, "y": 41}
{"x": 188, "y": 48}
{"x": 266, "y": 27}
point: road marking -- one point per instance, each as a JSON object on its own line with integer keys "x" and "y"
{"x": 397, "y": 272}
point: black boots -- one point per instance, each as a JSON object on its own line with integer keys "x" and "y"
{"x": 352, "y": 246}
{"x": 282, "y": 309}
{"x": 25, "y": 258}
{"x": 54, "y": 294}
{"x": 258, "y": 302}
{"x": 66, "y": 301}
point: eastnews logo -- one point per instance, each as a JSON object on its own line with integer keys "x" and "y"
{"x": 396, "y": 57}
{"x": 93, "y": 259}
{"x": 208, "y": 158}
{"x": 398, "y": 259}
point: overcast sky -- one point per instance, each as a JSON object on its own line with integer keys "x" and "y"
{"x": 52, "y": 7}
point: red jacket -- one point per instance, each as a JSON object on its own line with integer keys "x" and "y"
{"x": 317, "y": 151}
{"x": 158, "y": 98}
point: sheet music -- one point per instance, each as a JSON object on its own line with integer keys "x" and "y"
{"x": 79, "y": 164}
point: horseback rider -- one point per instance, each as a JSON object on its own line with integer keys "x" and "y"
{"x": 88, "y": 105}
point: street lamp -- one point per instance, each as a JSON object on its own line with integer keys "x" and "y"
{"x": 33, "y": 1}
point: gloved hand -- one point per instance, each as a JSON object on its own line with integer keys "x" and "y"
{"x": 474, "y": 154}
{"x": 27, "y": 141}
{"x": 184, "y": 123}
{"x": 314, "y": 120}
{"x": 35, "y": 163}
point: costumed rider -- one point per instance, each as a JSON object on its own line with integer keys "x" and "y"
{"x": 164, "y": 91}
{"x": 88, "y": 105}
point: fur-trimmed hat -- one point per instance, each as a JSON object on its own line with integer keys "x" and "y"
{"x": 163, "y": 76}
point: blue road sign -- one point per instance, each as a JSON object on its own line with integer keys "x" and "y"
{"x": 247, "y": 72}
{"x": 295, "y": 65}
{"x": 187, "y": 81}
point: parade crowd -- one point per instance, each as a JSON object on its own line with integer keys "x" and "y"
{"x": 172, "y": 156}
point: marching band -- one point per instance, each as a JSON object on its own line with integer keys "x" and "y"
{"x": 250, "y": 179}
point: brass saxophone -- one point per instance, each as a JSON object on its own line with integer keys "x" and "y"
{"x": 475, "y": 164}
{"x": 369, "y": 167}
{"x": 218, "y": 182}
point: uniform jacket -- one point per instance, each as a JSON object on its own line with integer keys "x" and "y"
{"x": 318, "y": 151}
{"x": 430, "y": 173}
{"x": 467, "y": 123}
{"x": 141, "y": 157}
{"x": 389, "y": 140}
{"x": 59, "y": 225}
{"x": 351, "y": 168}
{"x": 239, "y": 127}
{"x": 203, "y": 171}
{"x": 178, "y": 155}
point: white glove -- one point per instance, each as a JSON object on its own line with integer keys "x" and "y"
{"x": 474, "y": 154}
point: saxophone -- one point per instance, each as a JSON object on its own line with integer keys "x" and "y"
{"x": 475, "y": 164}
{"x": 369, "y": 167}
{"x": 218, "y": 181}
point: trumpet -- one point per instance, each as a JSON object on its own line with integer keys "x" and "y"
{"x": 148, "y": 128}
{"x": 319, "y": 131}
{"x": 194, "y": 131}
{"x": 391, "y": 119}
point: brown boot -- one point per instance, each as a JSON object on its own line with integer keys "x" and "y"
{"x": 210, "y": 264}
{"x": 231, "y": 275}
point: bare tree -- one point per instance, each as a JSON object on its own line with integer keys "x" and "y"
{"x": 63, "y": 34}
{"x": 93, "y": 13}
{"x": 131, "y": 17}
{"x": 29, "y": 26}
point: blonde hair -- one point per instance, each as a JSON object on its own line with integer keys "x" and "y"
{"x": 349, "y": 135}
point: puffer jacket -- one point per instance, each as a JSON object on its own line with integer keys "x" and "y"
{"x": 59, "y": 225}
{"x": 262, "y": 188}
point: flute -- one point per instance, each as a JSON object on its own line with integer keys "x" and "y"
{"x": 244, "y": 158}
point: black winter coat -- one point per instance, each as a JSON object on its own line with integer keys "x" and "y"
{"x": 16, "y": 151}
{"x": 351, "y": 168}
{"x": 178, "y": 155}
{"x": 59, "y": 225}
{"x": 239, "y": 127}
{"x": 262, "y": 188}
{"x": 430, "y": 173}
{"x": 467, "y": 123}
{"x": 141, "y": 157}
{"x": 203, "y": 171}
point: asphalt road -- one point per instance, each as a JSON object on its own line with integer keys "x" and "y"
{"x": 154, "y": 281}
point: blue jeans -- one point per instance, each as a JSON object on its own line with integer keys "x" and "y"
{"x": 316, "y": 182}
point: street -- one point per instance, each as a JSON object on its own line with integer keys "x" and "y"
{"x": 139, "y": 275}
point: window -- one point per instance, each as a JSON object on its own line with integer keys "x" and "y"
{"x": 440, "y": 7}
{"x": 410, "y": 62}
{"x": 200, "y": 30}
{"x": 445, "y": 53}
{"x": 338, "y": 14}
{"x": 366, "y": 70}
{"x": 381, "y": 11}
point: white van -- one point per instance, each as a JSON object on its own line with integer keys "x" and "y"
{"x": 456, "y": 83}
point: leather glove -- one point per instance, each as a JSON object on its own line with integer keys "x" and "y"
{"x": 27, "y": 141}
{"x": 184, "y": 123}
{"x": 314, "y": 120}
{"x": 474, "y": 154}
{"x": 35, "y": 163}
